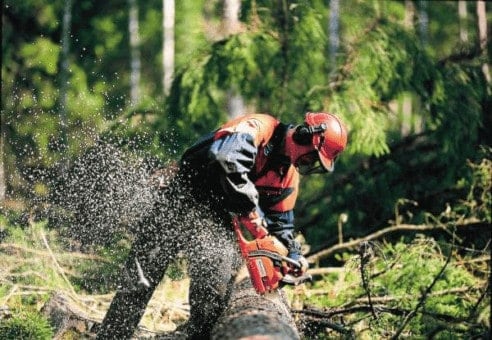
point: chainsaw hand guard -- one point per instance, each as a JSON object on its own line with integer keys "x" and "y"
{"x": 255, "y": 223}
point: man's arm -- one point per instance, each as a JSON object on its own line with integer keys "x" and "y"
{"x": 236, "y": 154}
{"x": 281, "y": 225}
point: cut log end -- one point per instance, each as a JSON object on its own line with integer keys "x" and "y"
{"x": 250, "y": 316}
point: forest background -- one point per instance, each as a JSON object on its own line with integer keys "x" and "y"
{"x": 411, "y": 80}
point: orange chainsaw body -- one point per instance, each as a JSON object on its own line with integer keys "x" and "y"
{"x": 264, "y": 261}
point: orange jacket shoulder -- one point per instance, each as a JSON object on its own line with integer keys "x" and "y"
{"x": 260, "y": 126}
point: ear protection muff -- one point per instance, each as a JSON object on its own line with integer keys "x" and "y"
{"x": 304, "y": 133}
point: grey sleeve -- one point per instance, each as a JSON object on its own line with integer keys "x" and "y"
{"x": 236, "y": 155}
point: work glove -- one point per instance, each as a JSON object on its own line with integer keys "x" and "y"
{"x": 304, "y": 266}
{"x": 295, "y": 254}
{"x": 255, "y": 223}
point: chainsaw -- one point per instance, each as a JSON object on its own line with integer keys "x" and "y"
{"x": 267, "y": 262}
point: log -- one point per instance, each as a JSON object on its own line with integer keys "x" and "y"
{"x": 252, "y": 316}
{"x": 66, "y": 318}
{"x": 246, "y": 316}
{"x": 71, "y": 321}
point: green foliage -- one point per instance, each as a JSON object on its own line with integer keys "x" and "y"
{"x": 42, "y": 54}
{"x": 479, "y": 200}
{"x": 396, "y": 277}
{"x": 26, "y": 325}
{"x": 277, "y": 68}
{"x": 381, "y": 65}
{"x": 101, "y": 276}
{"x": 32, "y": 263}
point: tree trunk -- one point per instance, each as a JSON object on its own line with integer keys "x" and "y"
{"x": 482, "y": 34}
{"x": 334, "y": 31}
{"x": 462, "y": 13}
{"x": 409, "y": 14}
{"x": 134, "y": 52}
{"x": 406, "y": 99}
{"x": 64, "y": 70}
{"x": 232, "y": 25}
{"x": 3, "y": 180}
{"x": 230, "y": 18}
{"x": 249, "y": 316}
{"x": 168, "y": 18}
{"x": 423, "y": 21}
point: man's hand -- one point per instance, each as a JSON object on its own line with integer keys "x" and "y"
{"x": 255, "y": 223}
{"x": 304, "y": 266}
{"x": 295, "y": 254}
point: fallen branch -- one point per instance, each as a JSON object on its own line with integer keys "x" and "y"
{"x": 326, "y": 270}
{"x": 11, "y": 247}
{"x": 56, "y": 265}
{"x": 475, "y": 260}
{"x": 6, "y": 298}
{"x": 401, "y": 227}
{"x": 380, "y": 308}
{"x": 385, "y": 299}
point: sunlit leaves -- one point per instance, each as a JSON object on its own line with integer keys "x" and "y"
{"x": 42, "y": 54}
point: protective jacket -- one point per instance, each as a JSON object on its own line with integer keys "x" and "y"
{"x": 239, "y": 168}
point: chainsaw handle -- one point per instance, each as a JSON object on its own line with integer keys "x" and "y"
{"x": 242, "y": 240}
{"x": 293, "y": 262}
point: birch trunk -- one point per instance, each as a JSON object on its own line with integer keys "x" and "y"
{"x": 482, "y": 35}
{"x": 462, "y": 13}
{"x": 3, "y": 180}
{"x": 134, "y": 52}
{"x": 232, "y": 25}
{"x": 168, "y": 15}
{"x": 64, "y": 71}
{"x": 334, "y": 31}
{"x": 406, "y": 100}
{"x": 423, "y": 21}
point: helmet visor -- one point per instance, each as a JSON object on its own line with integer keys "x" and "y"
{"x": 327, "y": 162}
{"x": 310, "y": 163}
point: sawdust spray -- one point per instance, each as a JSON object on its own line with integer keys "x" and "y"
{"x": 109, "y": 192}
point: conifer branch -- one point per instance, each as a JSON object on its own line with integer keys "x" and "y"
{"x": 423, "y": 297}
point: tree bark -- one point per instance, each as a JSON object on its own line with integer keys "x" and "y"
{"x": 232, "y": 25}
{"x": 334, "y": 31}
{"x": 134, "y": 52}
{"x": 482, "y": 34}
{"x": 3, "y": 180}
{"x": 249, "y": 316}
{"x": 462, "y": 13}
{"x": 230, "y": 17}
{"x": 423, "y": 22}
{"x": 64, "y": 73}
{"x": 168, "y": 15}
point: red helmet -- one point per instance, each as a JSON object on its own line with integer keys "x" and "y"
{"x": 326, "y": 133}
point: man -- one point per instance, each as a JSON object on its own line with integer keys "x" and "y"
{"x": 249, "y": 167}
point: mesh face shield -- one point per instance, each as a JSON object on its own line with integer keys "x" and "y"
{"x": 310, "y": 163}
